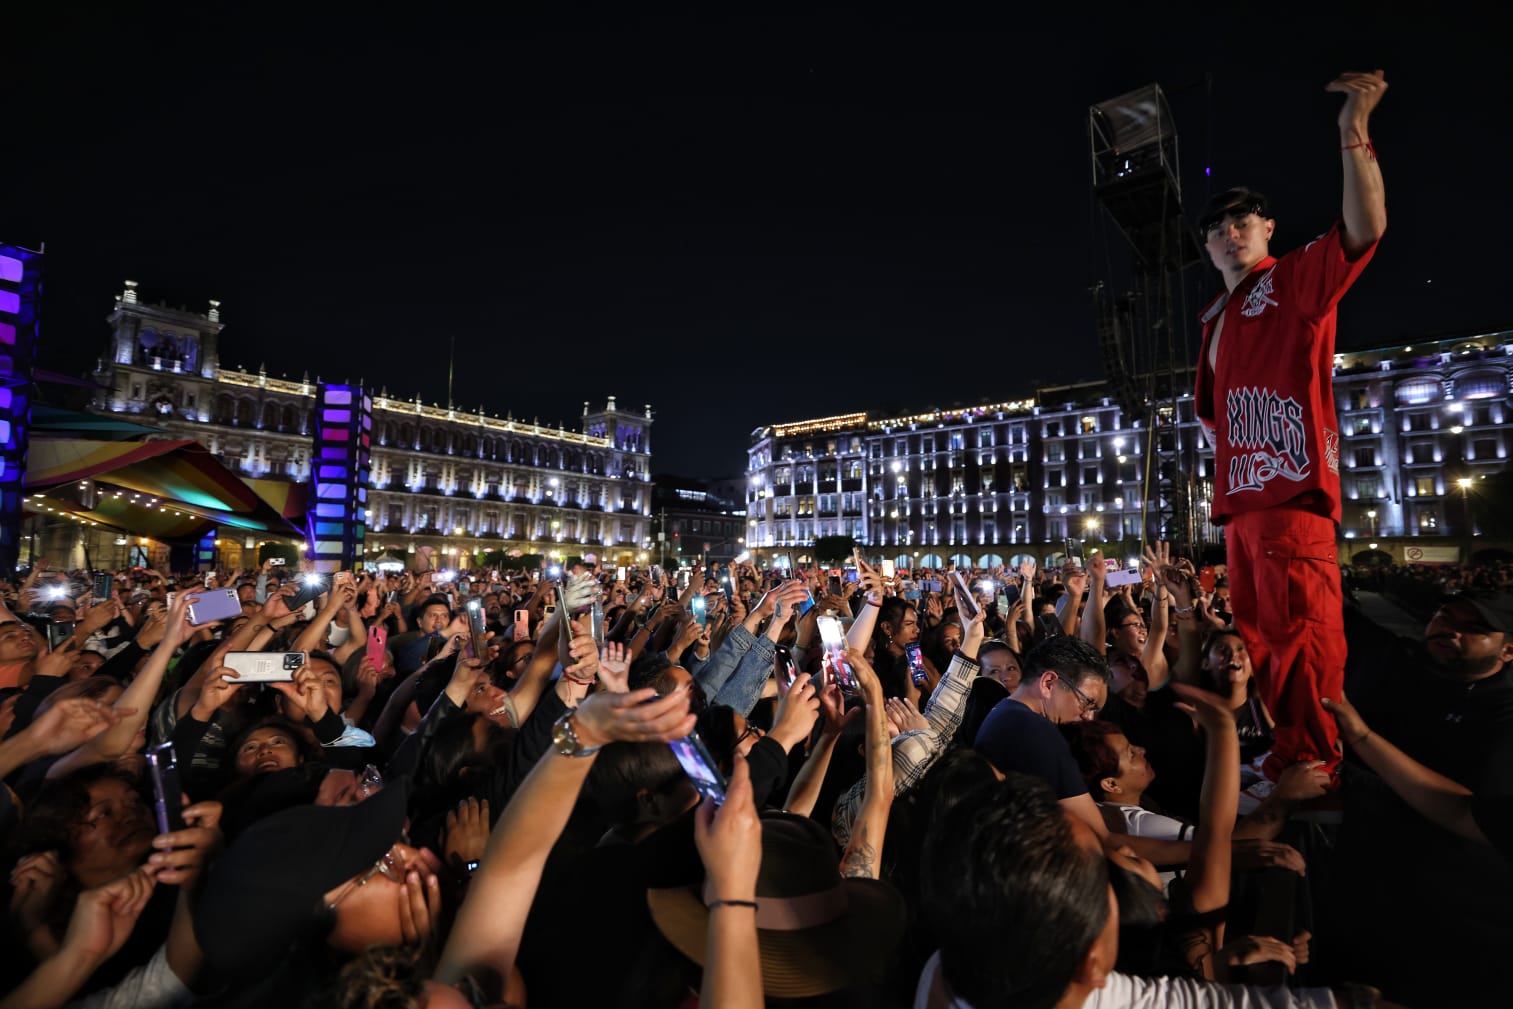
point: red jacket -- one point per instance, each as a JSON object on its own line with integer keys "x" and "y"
{"x": 1270, "y": 400}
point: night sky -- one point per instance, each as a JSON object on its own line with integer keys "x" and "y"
{"x": 737, "y": 221}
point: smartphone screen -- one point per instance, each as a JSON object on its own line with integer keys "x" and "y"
{"x": 700, "y": 767}
{"x": 890, "y": 570}
{"x": 596, "y": 617}
{"x": 1208, "y": 578}
{"x": 916, "y": 665}
{"x": 833, "y": 636}
{"x": 104, "y": 586}
{"x": 807, "y": 603}
{"x": 378, "y": 639}
{"x": 700, "y": 610}
{"x": 1074, "y": 551}
{"x": 167, "y": 793}
{"x": 1049, "y": 625}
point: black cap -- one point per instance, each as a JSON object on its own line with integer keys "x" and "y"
{"x": 1495, "y": 608}
{"x": 1240, "y": 198}
{"x": 264, "y": 893}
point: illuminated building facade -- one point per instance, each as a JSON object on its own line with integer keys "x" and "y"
{"x": 461, "y": 481}
{"x": 1420, "y": 424}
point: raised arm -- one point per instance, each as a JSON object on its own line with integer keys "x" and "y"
{"x": 486, "y": 936}
{"x": 1094, "y": 626}
{"x": 863, "y": 853}
{"x": 1153, "y": 657}
{"x": 1365, "y": 204}
{"x": 1431, "y": 794}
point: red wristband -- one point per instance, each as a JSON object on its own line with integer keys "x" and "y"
{"x": 1364, "y": 143}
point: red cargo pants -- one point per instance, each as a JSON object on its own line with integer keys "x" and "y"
{"x": 1284, "y": 590}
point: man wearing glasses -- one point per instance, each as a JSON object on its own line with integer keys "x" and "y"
{"x": 1064, "y": 680}
{"x": 1264, "y": 390}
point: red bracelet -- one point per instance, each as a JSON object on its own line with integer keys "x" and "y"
{"x": 1364, "y": 143}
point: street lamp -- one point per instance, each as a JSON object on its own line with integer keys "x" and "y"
{"x": 1372, "y": 516}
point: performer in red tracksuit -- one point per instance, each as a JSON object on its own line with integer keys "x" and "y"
{"x": 1265, "y": 388}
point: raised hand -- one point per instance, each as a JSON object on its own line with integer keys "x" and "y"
{"x": 105, "y": 915}
{"x": 1208, "y": 709}
{"x": 1362, "y": 93}
{"x": 796, "y": 713}
{"x": 614, "y": 667}
{"x": 635, "y": 717}
{"x": 36, "y": 882}
{"x": 466, "y": 833}
{"x": 729, "y": 838}
{"x": 180, "y": 857}
{"x": 903, "y": 717}
{"x": 836, "y": 716}
{"x": 70, "y": 723}
{"x": 217, "y": 689}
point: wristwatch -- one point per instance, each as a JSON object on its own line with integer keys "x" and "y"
{"x": 565, "y": 738}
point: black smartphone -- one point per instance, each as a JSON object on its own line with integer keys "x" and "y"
{"x": 104, "y": 588}
{"x": 478, "y": 634}
{"x": 1074, "y": 552}
{"x": 700, "y": 767}
{"x": 58, "y": 632}
{"x": 310, "y": 588}
{"x": 1049, "y": 625}
{"x": 167, "y": 794}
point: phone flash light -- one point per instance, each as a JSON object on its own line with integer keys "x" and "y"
{"x": 310, "y": 579}
{"x": 554, "y": 571}
{"x": 57, "y": 592}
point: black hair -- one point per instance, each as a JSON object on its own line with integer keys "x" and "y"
{"x": 1012, "y": 899}
{"x": 624, "y": 770}
{"x": 716, "y": 726}
{"x": 1073, "y": 658}
{"x": 982, "y": 697}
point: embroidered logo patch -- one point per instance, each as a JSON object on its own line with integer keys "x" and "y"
{"x": 1266, "y": 433}
{"x": 1259, "y": 298}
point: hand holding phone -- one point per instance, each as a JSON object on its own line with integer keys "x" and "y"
{"x": 167, "y": 792}
{"x": 836, "y": 665}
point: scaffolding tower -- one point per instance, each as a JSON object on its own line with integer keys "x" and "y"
{"x": 1136, "y": 177}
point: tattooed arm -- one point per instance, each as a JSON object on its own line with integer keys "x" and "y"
{"x": 861, "y": 855}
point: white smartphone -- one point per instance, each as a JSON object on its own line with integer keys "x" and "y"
{"x": 890, "y": 569}
{"x": 264, "y": 667}
{"x": 1124, "y": 576}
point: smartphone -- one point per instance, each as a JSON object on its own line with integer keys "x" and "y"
{"x": 1074, "y": 552}
{"x": 167, "y": 793}
{"x": 277, "y": 562}
{"x": 310, "y": 588}
{"x": 966, "y": 603}
{"x": 393, "y": 597}
{"x": 1011, "y": 594}
{"x": 656, "y": 574}
{"x": 58, "y": 632}
{"x": 930, "y": 584}
{"x": 833, "y": 637}
{"x": 1001, "y": 601}
{"x": 916, "y": 665}
{"x": 700, "y": 609}
{"x": 596, "y": 623}
{"x": 104, "y": 586}
{"x": 782, "y": 667}
{"x": 210, "y": 579}
{"x": 700, "y": 767}
{"x": 913, "y": 595}
{"x": 890, "y": 569}
{"x": 1208, "y": 577}
{"x": 264, "y": 667}
{"x": 378, "y": 643}
{"x": 477, "y": 634}
{"x": 212, "y": 605}
{"x": 620, "y": 574}
{"x": 1122, "y": 576}
{"x": 851, "y": 576}
{"x": 807, "y": 603}
{"x": 522, "y": 625}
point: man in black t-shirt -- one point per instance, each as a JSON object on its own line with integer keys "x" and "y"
{"x": 1448, "y": 705}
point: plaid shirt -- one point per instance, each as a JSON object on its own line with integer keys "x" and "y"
{"x": 916, "y": 750}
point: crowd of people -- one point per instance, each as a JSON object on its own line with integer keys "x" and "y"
{"x": 1041, "y": 791}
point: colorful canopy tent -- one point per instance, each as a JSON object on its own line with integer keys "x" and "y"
{"x": 169, "y": 490}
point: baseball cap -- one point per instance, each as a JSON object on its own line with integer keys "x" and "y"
{"x": 1240, "y": 199}
{"x": 1494, "y": 608}
{"x": 264, "y": 892}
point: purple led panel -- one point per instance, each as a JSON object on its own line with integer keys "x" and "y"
{"x": 20, "y": 311}
{"x": 335, "y": 524}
